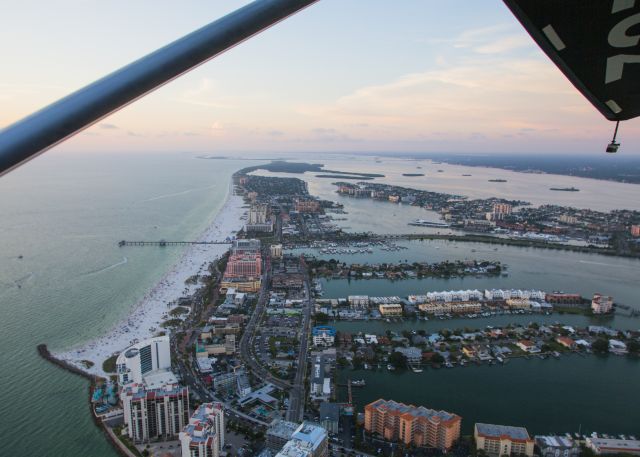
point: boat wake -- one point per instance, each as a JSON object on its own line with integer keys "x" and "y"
{"x": 602, "y": 264}
{"x": 102, "y": 270}
{"x": 20, "y": 281}
{"x": 175, "y": 194}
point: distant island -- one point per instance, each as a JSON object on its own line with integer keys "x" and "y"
{"x": 565, "y": 189}
{"x": 282, "y": 166}
{"x": 624, "y": 169}
{"x": 341, "y": 176}
{"x": 412, "y": 174}
{"x": 497, "y": 180}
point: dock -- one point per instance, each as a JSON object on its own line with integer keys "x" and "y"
{"x": 163, "y": 243}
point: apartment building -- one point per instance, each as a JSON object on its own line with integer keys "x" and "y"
{"x": 158, "y": 409}
{"x": 203, "y": 436}
{"x": 410, "y": 424}
{"x": 391, "y": 310}
{"x": 601, "y": 304}
{"x": 499, "y": 440}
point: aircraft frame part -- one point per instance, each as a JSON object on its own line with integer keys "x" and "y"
{"x": 53, "y": 124}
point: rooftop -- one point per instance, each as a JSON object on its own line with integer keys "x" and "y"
{"x": 283, "y": 429}
{"x": 329, "y": 411}
{"x": 497, "y": 431}
{"x": 612, "y": 443}
{"x": 324, "y": 329}
{"x": 202, "y": 425}
{"x": 418, "y": 411}
{"x": 159, "y": 378}
{"x": 309, "y": 433}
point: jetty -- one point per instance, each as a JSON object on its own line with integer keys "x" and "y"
{"x": 163, "y": 243}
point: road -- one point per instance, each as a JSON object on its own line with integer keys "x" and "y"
{"x": 297, "y": 394}
{"x": 247, "y": 337}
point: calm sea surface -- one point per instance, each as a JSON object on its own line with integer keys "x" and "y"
{"x": 64, "y": 215}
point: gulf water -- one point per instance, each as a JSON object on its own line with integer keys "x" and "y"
{"x": 63, "y": 279}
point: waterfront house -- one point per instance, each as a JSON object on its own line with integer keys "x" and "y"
{"x": 528, "y": 346}
{"x": 566, "y": 342}
{"x": 617, "y": 347}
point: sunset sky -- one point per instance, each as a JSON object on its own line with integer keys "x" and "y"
{"x": 343, "y": 75}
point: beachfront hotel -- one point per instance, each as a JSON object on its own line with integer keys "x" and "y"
{"x": 203, "y": 436}
{"x": 410, "y": 424}
{"x": 142, "y": 358}
{"x": 498, "y": 440}
{"x": 244, "y": 265}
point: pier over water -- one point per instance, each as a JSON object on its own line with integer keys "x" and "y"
{"x": 163, "y": 243}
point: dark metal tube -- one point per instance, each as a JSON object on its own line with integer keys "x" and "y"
{"x": 53, "y": 124}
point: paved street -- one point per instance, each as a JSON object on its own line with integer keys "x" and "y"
{"x": 297, "y": 395}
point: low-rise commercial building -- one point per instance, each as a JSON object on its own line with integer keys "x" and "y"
{"x": 602, "y": 446}
{"x": 323, "y": 335}
{"x": 499, "y": 440}
{"x": 557, "y": 446}
{"x": 330, "y": 416}
{"x": 203, "y": 436}
{"x": 419, "y": 426}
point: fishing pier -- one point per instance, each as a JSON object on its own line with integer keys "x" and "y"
{"x": 163, "y": 243}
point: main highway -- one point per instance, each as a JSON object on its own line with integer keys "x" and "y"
{"x": 297, "y": 395}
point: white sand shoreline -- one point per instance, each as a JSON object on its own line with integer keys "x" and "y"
{"x": 148, "y": 312}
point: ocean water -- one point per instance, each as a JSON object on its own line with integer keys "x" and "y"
{"x": 64, "y": 214}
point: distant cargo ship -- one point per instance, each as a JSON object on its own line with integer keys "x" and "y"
{"x": 423, "y": 223}
{"x": 565, "y": 189}
{"x": 497, "y": 180}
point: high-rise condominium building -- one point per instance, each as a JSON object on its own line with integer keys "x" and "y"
{"x": 203, "y": 436}
{"x": 155, "y": 410}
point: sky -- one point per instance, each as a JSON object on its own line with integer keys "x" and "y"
{"x": 343, "y": 75}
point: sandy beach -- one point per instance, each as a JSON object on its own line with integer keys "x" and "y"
{"x": 151, "y": 310}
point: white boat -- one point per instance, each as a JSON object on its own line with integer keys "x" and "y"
{"x": 390, "y": 367}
